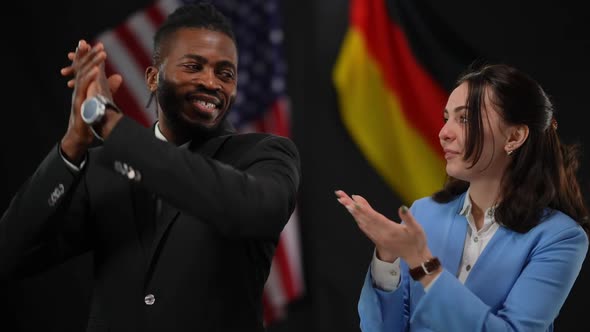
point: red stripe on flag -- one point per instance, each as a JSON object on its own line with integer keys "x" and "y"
{"x": 260, "y": 125}
{"x": 125, "y": 100}
{"x": 276, "y": 120}
{"x": 154, "y": 13}
{"x": 280, "y": 118}
{"x": 127, "y": 38}
{"x": 286, "y": 273}
{"x": 422, "y": 99}
{"x": 268, "y": 312}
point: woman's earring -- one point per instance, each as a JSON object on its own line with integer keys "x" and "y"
{"x": 510, "y": 149}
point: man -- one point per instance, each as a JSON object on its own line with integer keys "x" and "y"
{"x": 183, "y": 218}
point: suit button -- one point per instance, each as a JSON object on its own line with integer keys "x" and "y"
{"x": 149, "y": 299}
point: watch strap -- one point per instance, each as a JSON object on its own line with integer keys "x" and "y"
{"x": 425, "y": 268}
{"x": 108, "y": 103}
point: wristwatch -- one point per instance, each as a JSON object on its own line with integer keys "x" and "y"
{"x": 94, "y": 109}
{"x": 426, "y": 268}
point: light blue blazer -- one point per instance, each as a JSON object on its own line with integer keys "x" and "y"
{"x": 519, "y": 283}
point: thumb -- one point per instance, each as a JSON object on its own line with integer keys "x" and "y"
{"x": 115, "y": 82}
{"x": 407, "y": 217}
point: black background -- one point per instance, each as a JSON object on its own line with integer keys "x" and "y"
{"x": 547, "y": 39}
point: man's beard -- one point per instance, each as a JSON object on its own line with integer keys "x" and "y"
{"x": 172, "y": 104}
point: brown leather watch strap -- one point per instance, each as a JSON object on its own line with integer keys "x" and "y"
{"x": 427, "y": 267}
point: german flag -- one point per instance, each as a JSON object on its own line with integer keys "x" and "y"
{"x": 390, "y": 102}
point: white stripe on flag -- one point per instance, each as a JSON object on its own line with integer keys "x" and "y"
{"x": 123, "y": 63}
{"x": 168, "y": 6}
{"x": 274, "y": 292}
{"x": 143, "y": 30}
{"x": 291, "y": 241}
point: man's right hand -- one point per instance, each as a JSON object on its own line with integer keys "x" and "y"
{"x": 87, "y": 63}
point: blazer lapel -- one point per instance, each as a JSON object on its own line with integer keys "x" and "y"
{"x": 456, "y": 239}
{"x": 499, "y": 245}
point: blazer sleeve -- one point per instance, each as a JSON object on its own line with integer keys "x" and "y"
{"x": 44, "y": 223}
{"x": 382, "y": 311}
{"x": 254, "y": 200}
{"x": 533, "y": 302}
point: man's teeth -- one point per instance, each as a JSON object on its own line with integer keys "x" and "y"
{"x": 206, "y": 104}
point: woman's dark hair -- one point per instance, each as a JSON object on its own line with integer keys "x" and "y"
{"x": 542, "y": 172}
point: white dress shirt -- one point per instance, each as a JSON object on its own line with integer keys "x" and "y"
{"x": 386, "y": 276}
{"x": 76, "y": 168}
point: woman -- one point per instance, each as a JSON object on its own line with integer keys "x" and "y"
{"x": 500, "y": 246}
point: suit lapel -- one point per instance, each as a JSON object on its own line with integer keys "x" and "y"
{"x": 493, "y": 251}
{"x": 143, "y": 207}
{"x": 456, "y": 240}
{"x": 169, "y": 213}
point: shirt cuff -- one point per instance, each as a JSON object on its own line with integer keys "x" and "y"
{"x": 431, "y": 283}
{"x": 71, "y": 165}
{"x": 386, "y": 276}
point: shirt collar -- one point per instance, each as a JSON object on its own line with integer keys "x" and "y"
{"x": 161, "y": 136}
{"x": 466, "y": 210}
{"x": 158, "y": 133}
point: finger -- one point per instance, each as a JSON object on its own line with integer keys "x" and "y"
{"x": 348, "y": 206}
{"x": 83, "y": 81}
{"x": 82, "y": 84}
{"x": 81, "y": 49}
{"x": 99, "y": 45}
{"x": 82, "y": 54}
{"x": 344, "y": 199}
{"x": 90, "y": 61}
{"x": 363, "y": 206}
{"x": 407, "y": 217}
{"x": 361, "y": 202}
{"x": 115, "y": 82}
{"x": 82, "y": 45}
{"x": 347, "y": 203}
{"x": 339, "y": 193}
{"x": 66, "y": 71}
{"x": 71, "y": 83}
{"x": 367, "y": 218}
{"x": 85, "y": 54}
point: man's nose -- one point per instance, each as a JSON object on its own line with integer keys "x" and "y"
{"x": 208, "y": 80}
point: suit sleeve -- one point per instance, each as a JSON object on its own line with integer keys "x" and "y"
{"x": 532, "y": 304}
{"x": 43, "y": 224}
{"x": 255, "y": 200}
{"x": 382, "y": 311}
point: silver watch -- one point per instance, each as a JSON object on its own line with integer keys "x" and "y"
{"x": 94, "y": 108}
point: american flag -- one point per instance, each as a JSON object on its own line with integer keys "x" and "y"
{"x": 261, "y": 104}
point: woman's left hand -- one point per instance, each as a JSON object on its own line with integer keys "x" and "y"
{"x": 406, "y": 240}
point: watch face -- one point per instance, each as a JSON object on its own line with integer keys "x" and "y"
{"x": 92, "y": 110}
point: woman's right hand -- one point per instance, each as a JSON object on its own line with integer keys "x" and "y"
{"x": 376, "y": 226}
{"x": 392, "y": 240}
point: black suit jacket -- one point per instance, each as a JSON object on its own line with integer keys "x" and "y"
{"x": 201, "y": 267}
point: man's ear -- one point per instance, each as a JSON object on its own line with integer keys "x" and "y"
{"x": 151, "y": 78}
{"x": 516, "y": 137}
